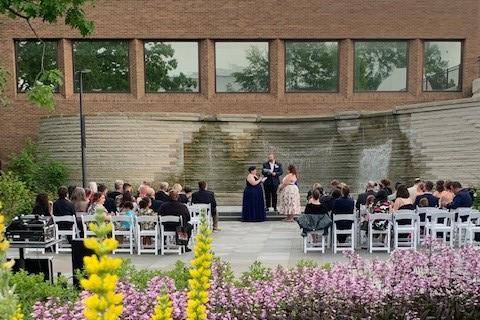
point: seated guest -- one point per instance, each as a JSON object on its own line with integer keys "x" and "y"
{"x": 175, "y": 208}
{"x": 314, "y": 206}
{"x": 462, "y": 199}
{"x": 145, "y": 210}
{"x": 439, "y": 188}
{"x": 403, "y": 200}
{"x": 127, "y": 197}
{"x": 385, "y": 185}
{"x": 188, "y": 193}
{"x": 316, "y": 186}
{"x": 127, "y": 210}
{"x": 393, "y": 196}
{"x": 70, "y": 191}
{"x": 446, "y": 197}
{"x": 182, "y": 197}
{"x": 155, "y": 203}
{"x": 142, "y": 192}
{"x": 42, "y": 207}
{"x": 413, "y": 190}
{"x": 362, "y": 197}
{"x": 334, "y": 184}
{"x": 98, "y": 201}
{"x": 206, "y": 197}
{"x": 381, "y": 205}
{"x": 127, "y": 187}
{"x": 93, "y": 186}
{"x": 343, "y": 205}
{"x": 109, "y": 204}
{"x": 63, "y": 207}
{"x": 423, "y": 203}
{"x": 88, "y": 195}
{"x": 162, "y": 193}
{"x": 329, "y": 199}
{"x": 118, "y": 185}
{"x": 432, "y": 201}
{"x": 79, "y": 200}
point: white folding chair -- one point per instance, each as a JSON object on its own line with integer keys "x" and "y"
{"x": 121, "y": 232}
{"x": 462, "y": 224}
{"x": 336, "y": 232}
{"x": 309, "y": 243}
{"x": 168, "y": 242}
{"x": 474, "y": 227}
{"x": 61, "y": 233}
{"x": 442, "y": 222}
{"x": 142, "y": 233}
{"x": 379, "y": 246}
{"x": 409, "y": 228}
{"x": 86, "y": 220}
{"x": 195, "y": 210}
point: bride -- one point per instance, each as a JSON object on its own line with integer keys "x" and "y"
{"x": 289, "y": 194}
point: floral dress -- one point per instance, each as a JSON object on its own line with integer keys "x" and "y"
{"x": 290, "y": 199}
{"x": 147, "y": 225}
{"x": 381, "y": 207}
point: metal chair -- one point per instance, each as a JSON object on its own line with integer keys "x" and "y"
{"x": 409, "y": 228}
{"x": 351, "y": 232}
{"x": 385, "y": 246}
{"x": 121, "y": 232}
{"x": 168, "y": 238}
{"x": 64, "y": 233}
{"x": 142, "y": 233}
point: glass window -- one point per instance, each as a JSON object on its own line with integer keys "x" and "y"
{"x": 442, "y": 62}
{"x": 29, "y": 61}
{"x": 171, "y": 66}
{"x": 311, "y": 66}
{"x": 381, "y": 65}
{"x": 241, "y": 66}
{"x": 108, "y": 62}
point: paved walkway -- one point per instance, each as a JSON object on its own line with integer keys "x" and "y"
{"x": 272, "y": 243}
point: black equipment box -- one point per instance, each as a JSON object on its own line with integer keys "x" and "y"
{"x": 31, "y": 228}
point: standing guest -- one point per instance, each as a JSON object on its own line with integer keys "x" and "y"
{"x": 155, "y": 203}
{"x": 462, "y": 199}
{"x": 253, "y": 208}
{"x": 182, "y": 197}
{"x": 176, "y": 208}
{"x": 289, "y": 194}
{"x": 432, "y": 201}
{"x": 316, "y": 186}
{"x": 362, "y": 197}
{"x": 79, "y": 200}
{"x": 127, "y": 187}
{"x": 272, "y": 170}
{"x": 43, "y": 207}
{"x": 70, "y": 191}
{"x": 162, "y": 193}
{"x": 98, "y": 201}
{"x": 118, "y": 185}
{"x": 403, "y": 200}
{"x": 385, "y": 185}
{"x": 446, "y": 197}
{"x": 343, "y": 205}
{"x": 204, "y": 196}
{"x": 413, "y": 190}
{"x": 63, "y": 207}
{"x": 188, "y": 193}
{"x": 93, "y": 186}
{"x": 109, "y": 204}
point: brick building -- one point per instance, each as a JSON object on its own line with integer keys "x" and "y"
{"x": 348, "y": 24}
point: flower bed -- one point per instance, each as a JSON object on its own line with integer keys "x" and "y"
{"x": 436, "y": 283}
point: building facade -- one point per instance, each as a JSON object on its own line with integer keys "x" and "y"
{"x": 274, "y": 59}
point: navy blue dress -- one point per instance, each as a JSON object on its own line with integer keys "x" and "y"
{"x": 253, "y": 209}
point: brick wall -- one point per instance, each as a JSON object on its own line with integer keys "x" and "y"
{"x": 272, "y": 20}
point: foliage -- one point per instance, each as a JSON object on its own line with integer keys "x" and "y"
{"x": 108, "y": 63}
{"x": 31, "y": 288}
{"x": 37, "y": 170}
{"x": 3, "y": 83}
{"x": 476, "y": 200}
{"x": 159, "y": 63}
{"x": 200, "y": 273}
{"x": 9, "y": 302}
{"x": 311, "y": 66}
{"x": 436, "y": 69}
{"x": 256, "y": 272}
{"x": 254, "y": 77}
{"x": 103, "y": 303}
{"x": 14, "y": 195}
{"x": 305, "y": 263}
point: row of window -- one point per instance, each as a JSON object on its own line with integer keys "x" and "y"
{"x": 310, "y": 66}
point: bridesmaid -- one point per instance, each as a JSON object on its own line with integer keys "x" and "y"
{"x": 290, "y": 195}
{"x": 253, "y": 209}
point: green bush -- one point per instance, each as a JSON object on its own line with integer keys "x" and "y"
{"x": 31, "y": 288}
{"x": 37, "y": 170}
{"x": 14, "y": 195}
{"x": 476, "y": 203}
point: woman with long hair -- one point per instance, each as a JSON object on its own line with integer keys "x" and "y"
{"x": 43, "y": 207}
{"x": 289, "y": 194}
{"x": 79, "y": 200}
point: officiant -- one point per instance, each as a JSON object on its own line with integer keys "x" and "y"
{"x": 272, "y": 170}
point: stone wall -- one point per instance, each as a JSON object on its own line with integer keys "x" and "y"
{"x": 436, "y": 140}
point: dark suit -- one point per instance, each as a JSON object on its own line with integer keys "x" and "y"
{"x": 110, "y": 205}
{"x": 162, "y": 196}
{"x": 343, "y": 205}
{"x": 270, "y": 186}
{"x": 113, "y": 194}
{"x": 156, "y": 204}
{"x": 205, "y": 197}
{"x": 175, "y": 208}
{"x": 63, "y": 207}
{"x": 432, "y": 200}
{"x": 362, "y": 198}
{"x": 462, "y": 199}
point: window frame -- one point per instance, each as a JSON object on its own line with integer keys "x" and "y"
{"x": 268, "y": 41}
{"x": 127, "y": 41}
{"x": 338, "y": 41}
{"x": 198, "y": 41}
{"x": 460, "y": 71}
{"x": 407, "y": 41}
{"x": 15, "y": 40}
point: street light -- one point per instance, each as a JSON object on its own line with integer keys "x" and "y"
{"x": 82, "y": 128}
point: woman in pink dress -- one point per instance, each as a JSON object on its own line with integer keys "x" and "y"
{"x": 290, "y": 195}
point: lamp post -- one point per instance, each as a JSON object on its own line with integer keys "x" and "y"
{"x": 82, "y": 127}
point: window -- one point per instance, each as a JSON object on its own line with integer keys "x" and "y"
{"x": 311, "y": 66}
{"x": 381, "y": 65}
{"x": 29, "y": 61}
{"x": 108, "y": 62}
{"x": 171, "y": 66}
{"x": 442, "y": 65}
{"x": 241, "y": 66}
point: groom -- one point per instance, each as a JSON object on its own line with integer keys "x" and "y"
{"x": 272, "y": 170}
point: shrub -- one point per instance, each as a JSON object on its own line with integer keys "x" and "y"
{"x": 14, "y": 195}
{"x": 37, "y": 170}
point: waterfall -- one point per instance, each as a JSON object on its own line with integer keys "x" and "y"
{"x": 374, "y": 163}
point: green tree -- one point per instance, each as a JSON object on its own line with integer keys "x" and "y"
{"x": 435, "y": 69}
{"x": 311, "y": 66}
{"x": 159, "y": 63}
{"x": 3, "y": 83}
{"x": 254, "y": 77}
{"x": 14, "y": 195}
{"x": 49, "y": 11}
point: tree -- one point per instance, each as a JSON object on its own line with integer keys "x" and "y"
{"x": 46, "y": 82}
{"x": 159, "y": 64}
{"x": 254, "y": 77}
{"x": 436, "y": 69}
{"x": 312, "y": 66}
